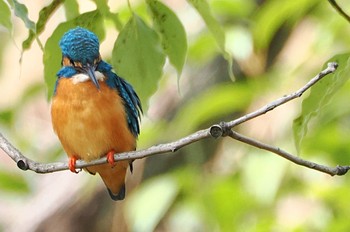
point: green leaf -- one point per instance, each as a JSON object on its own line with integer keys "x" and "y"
{"x": 102, "y": 6}
{"x": 211, "y": 105}
{"x": 71, "y": 9}
{"x": 266, "y": 26}
{"x": 7, "y": 116}
{"x": 116, "y": 20}
{"x": 156, "y": 196}
{"x": 27, "y": 95}
{"x": 52, "y": 53}
{"x": 320, "y": 95}
{"x": 234, "y": 8}
{"x": 215, "y": 28}
{"x": 44, "y": 15}
{"x": 21, "y": 11}
{"x": 213, "y": 25}
{"x": 11, "y": 182}
{"x": 203, "y": 48}
{"x": 5, "y": 15}
{"x": 215, "y": 200}
{"x": 138, "y": 57}
{"x": 172, "y": 33}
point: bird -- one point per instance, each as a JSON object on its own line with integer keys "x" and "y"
{"x": 94, "y": 112}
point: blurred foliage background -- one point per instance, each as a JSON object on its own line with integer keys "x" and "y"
{"x": 190, "y": 52}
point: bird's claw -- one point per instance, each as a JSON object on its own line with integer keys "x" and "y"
{"x": 71, "y": 164}
{"x": 110, "y": 157}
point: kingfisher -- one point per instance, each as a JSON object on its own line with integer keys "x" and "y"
{"x": 95, "y": 113}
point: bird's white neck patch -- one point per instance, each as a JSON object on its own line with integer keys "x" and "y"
{"x": 82, "y": 77}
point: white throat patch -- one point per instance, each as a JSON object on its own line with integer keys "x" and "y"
{"x": 82, "y": 77}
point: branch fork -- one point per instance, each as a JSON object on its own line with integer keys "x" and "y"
{"x": 223, "y": 129}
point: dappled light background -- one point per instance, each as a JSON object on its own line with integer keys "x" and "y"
{"x": 210, "y": 185}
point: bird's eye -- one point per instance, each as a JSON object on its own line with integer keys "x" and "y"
{"x": 71, "y": 62}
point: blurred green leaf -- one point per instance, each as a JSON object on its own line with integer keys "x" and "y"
{"x": 227, "y": 202}
{"x": 7, "y": 116}
{"x": 30, "y": 91}
{"x": 102, "y": 6}
{"x": 211, "y": 105}
{"x": 11, "y": 182}
{"x": 71, "y": 9}
{"x": 52, "y": 53}
{"x": 116, "y": 20}
{"x": 215, "y": 28}
{"x": 337, "y": 199}
{"x": 334, "y": 148}
{"x": 233, "y": 8}
{"x": 222, "y": 200}
{"x": 266, "y": 26}
{"x": 44, "y": 16}
{"x": 263, "y": 185}
{"x": 146, "y": 207}
{"x": 5, "y": 37}
{"x": 138, "y": 57}
{"x": 5, "y": 15}
{"x": 202, "y": 49}
{"x": 172, "y": 32}
{"x": 213, "y": 25}
{"x": 321, "y": 94}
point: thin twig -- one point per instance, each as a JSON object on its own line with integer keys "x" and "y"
{"x": 215, "y": 131}
{"x": 338, "y": 170}
{"x": 331, "y": 67}
{"x": 339, "y": 9}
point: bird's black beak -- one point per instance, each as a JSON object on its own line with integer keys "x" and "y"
{"x": 90, "y": 71}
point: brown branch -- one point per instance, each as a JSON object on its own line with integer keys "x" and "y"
{"x": 338, "y": 170}
{"x": 215, "y": 131}
{"x": 339, "y": 10}
{"x": 27, "y": 164}
{"x": 331, "y": 67}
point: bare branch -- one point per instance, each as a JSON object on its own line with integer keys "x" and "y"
{"x": 27, "y": 164}
{"x": 338, "y": 170}
{"x": 215, "y": 131}
{"x": 339, "y": 10}
{"x": 331, "y": 67}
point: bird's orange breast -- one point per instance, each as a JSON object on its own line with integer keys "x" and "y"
{"x": 90, "y": 122}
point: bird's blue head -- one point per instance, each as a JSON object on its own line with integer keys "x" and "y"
{"x": 80, "y": 49}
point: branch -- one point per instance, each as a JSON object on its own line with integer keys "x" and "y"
{"x": 27, "y": 164}
{"x": 339, "y": 9}
{"x": 331, "y": 67}
{"x": 338, "y": 170}
{"x": 224, "y": 129}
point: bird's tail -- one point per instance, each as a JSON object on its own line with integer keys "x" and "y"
{"x": 113, "y": 177}
{"x": 119, "y": 196}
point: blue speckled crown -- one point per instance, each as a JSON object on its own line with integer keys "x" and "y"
{"x": 80, "y": 45}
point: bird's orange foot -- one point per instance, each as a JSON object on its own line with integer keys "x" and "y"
{"x": 110, "y": 157}
{"x": 71, "y": 164}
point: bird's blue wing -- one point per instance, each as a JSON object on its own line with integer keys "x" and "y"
{"x": 132, "y": 105}
{"x": 132, "y": 102}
